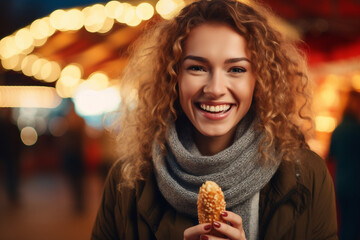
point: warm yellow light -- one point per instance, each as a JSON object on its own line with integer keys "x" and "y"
{"x": 8, "y": 47}
{"x": 95, "y": 17}
{"x": 46, "y": 28}
{"x": 355, "y": 81}
{"x": 329, "y": 97}
{"x": 72, "y": 70}
{"x": 70, "y": 76}
{"x": 91, "y": 102}
{"x": 28, "y": 136}
{"x": 37, "y": 66}
{"x": 325, "y": 124}
{"x": 39, "y": 42}
{"x": 164, "y": 7}
{"x": 168, "y": 8}
{"x": 41, "y": 29}
{"x": 57, "y": 19}
{"x": 97, "y": 81}
{"x": 50, "y": 71}
{"x": 134, "y": 21}
{"x": 23, "y": 39}
{"x": 10, "y": 63}
{"x": 68, "y": 81}
{"x": 107, "y": 26}
{"x": 127, "y": 13}
{"x": 66, "y": 91}
{"x": 144, "y": 11}
{"x": 28, "y": 97}
{"x": 73, "y": 20}
{"x": 18, "y": 65}
{"x": 114, "y": 9}
{"x": 129, "y": 16}
{"x": 26, "y": 65}
{"x": 35, "y": 30}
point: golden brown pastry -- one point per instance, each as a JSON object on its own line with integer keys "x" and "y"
{"x": 211, "y": 203}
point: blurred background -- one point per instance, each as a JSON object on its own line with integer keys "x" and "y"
{"x": 60, "y": 62}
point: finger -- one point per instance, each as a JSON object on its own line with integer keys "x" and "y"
{"x": 193, "y": 233}
{"x": 229, "y": 231}
{"x": 234, "y": 219}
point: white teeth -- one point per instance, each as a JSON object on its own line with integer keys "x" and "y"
{"x": 215, "y": 109}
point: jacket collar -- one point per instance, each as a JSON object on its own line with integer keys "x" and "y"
{"x": 164, "y": 221}
{"x": 283, "y": 200}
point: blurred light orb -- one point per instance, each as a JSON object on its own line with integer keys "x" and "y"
{"x": 74, "y": 19}
{"x": 10, "y": 63}
{"x": 127, "y": 11}
{"x": 23, "y": 39}
{"x": 39, "y": 42}
{"x": 27, "y": 63}
{"x": 90, "y": 102}
{"x": 50, "y": 71}
{"x": 57, "y": 18}
{"x": 164, "y": 7}
{"x": 8, "y": 47}
{"x": 37, "y": 66}
{"x": 70, "y": 76}
{"x": 95, "y": 17}
{"x": 29, "y": 136}
{"x": 107, "y": 26}
{"x": 41, "y": 29}
{"x": 145, "y": 11}
{"x": 114, "y": 9}
{"x": 325, "y": 124}
{"x": 97, "y": 81}
{"x": 355, "y": 81}
{"x": 168, "y": 8}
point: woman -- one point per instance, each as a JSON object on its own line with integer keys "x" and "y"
{"x": 220, "y": 95}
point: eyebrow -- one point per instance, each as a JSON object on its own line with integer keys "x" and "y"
{"x": 204, "y": 60}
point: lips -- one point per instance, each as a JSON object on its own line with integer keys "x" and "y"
{"x": 220, "y": 108}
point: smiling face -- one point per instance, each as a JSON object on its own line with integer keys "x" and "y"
{"x": 216, "y": 82}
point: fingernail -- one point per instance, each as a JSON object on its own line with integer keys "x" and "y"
{"x": 204, "y": 238}
{"x": 217, "y": 224}
{"x": 207, "y": 227}
{"x": 224, "y": 214}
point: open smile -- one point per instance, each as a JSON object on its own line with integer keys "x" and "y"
{"x": 221, "y": 108}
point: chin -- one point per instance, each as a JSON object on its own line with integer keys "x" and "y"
{"x": 215, "y": 132}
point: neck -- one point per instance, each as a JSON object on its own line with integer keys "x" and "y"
{"x": 209, "y": 146}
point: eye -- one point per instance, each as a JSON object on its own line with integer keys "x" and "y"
{"x": 196, "y": 68}
{"x": 237, "y": 70}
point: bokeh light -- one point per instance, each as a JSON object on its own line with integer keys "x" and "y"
{"x": 29, "y": 136}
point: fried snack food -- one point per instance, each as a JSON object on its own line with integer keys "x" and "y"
{"x": 211, "y": 203}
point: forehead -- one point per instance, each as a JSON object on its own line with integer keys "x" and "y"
{"x": 215, "y": 38}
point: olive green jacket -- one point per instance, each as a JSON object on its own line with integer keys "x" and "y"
{"x": 298, "y": 203}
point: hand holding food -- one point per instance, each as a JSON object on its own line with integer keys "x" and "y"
{"x": 211, "y": 203}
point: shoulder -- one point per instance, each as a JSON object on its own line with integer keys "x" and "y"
{"x": 310, "y": 159}
{"x": 118, "y": 192}
{"x": 305, "y": 165}
{"x": 311, "y": 165}
{"x": 315, "y": 177}
{"x": 307, "y": 170}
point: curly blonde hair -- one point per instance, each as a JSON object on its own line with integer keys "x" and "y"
{"x": 149, "y": 83}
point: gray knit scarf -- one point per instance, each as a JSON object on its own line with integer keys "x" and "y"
{"x": 236, "y": 169}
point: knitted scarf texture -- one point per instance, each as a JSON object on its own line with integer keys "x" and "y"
{"x": 236, "y": 169}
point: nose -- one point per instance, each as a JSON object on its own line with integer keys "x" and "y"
{"x": 216, "y": 85}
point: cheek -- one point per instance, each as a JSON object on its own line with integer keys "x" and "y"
{"x": 245, "y": 92}
{"x": 182, "y": 92}
{"x": 186, "y": 90}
